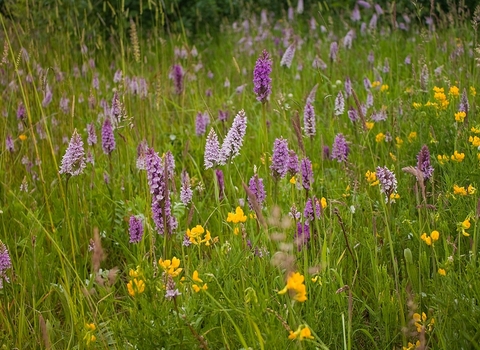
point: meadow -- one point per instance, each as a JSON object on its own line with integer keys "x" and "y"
{"x": 303, "y": 182}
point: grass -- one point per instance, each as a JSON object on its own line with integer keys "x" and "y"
{"x": 370, "y": 277}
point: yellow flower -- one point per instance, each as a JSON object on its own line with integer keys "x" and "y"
{"x": 293, "y": 181}
{"x": 460, "y": 116}
{"x": 473, "y": 92}
{"x": 457, "y": 157}
{"x": 135, "y": 273}
{"x": 426, "y": 239}
{"x": 135, "y": 286}
{"x": 399, "y": 141}
{"x": 475, "y": 130}
{"x": 90, "y": 326}
{"x": 93, "y": 338}
{"x": 442, "y": 272}
{"x": 435, "y": 235}
{"x": 412, "y": 136}
{"x": 195, "y": 277}
{"x": 471, "y": 189}
{"x": 295, "y": 283}
{"x": 237, "y": 217}
{"x": 442, "y": 159}
{"x": 454, "y": 91}
{"x": 417, "y": 105}
{"x": 171, "y": 267}
{"x": 475, "y": 141}
{"x": 236, "y": 231}
{"x": 394, "y": 196}
{"x": 323, "y": 202}
{"x": 384, "y": 87}
{"x": 437, "y": 89}
{"x": 394, "y": 158}
{"x": 23, "y": 137}
{"x": 380, "y": 137}
{"x": 301, "y": 333}
{"x": 421, "y": 322}
{"x": 409, "y": 90}
{"x": 375, "y": 84}
{"x": 369, "y": 125}
{"x": 459, "y": 190}
{"x": 198, "y": 289}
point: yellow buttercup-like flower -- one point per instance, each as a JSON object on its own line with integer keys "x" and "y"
{"x": 303, "y": 332}
{"x": 460, "y": 116}
{"x": 454, "y": 91}
{"x": 237, "y": 217}
{"x": 380, "y": 137}
{"x": 171, "y": 267}
{"x": 295, "y": 284}
{"x": 135, "y": 287}
{"x": 459, "y": 190}
{"x": 457, "y": 157}
{"x": 442, "y": 272}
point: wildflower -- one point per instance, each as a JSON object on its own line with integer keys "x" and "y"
{"x": 237, "y": 217}
{"x": 177, "y": 75}
{"x": 465, "y": 225}
{"x": 135, "y": 287}
{"x": 311, "y": 95}
{"x": 471, "y": 189}
{"x": 212, "y": 150}
{"x": 352, "y": 114}
{"x": 460, "y": 116}
{"x": 197, "y": 279}
{"x": 261, "y": 77}
{"x": 307, "y": 173}
{"x": 221, "y": 183}
{"x": 383, "y": 88}
{"x": 309, "y": 213}
{"x": 73, "y": 162}
{"x": 234, "y": 139}
{"x": 92, "y": 136}
{"x": 475, "y": 141}
{"x": 186, "y": 193}
{"x": 295, "y": 284}
{"x": 473, "y": 92}
{"x": 108, "y": 139}
{"x": 442, "y": 159}
{"x": 388, "y": 181}
{"x": 47, "y": 96}
{"x": 135, "y": 229}
{"x": 369, "y": 125}
{"x": 457, "y": 157}
{"x": 287, "y": 57}
{"x": 371, "y": 178}
{"x": 9, "y": 144}
{"x": 348, "y": 87}
{"x": 423, "y": 163}
{"x": 339, "y": 104}
{"x": 293, "y": 166}
{"x": 171, "y": 292}
{"x": 303, "y": 332}
{"x": 421, "y": 322}
{"x": 375, "y": 84}
{"x": 380, "y": 137}
{"x": 333, "y": 51}
{"x": 459, "y": 190}
{"x": 256, "y": 186}
{"x": 412, "y": 136}
{"x": 442, "y": 272}
{"x": 5, "y": 264}
{"x": 340, "y": 148}
{"x": 201, "y": 123}
{"x": 280, "y": 157}
{"x": 454, "y": 91}
{"x": 161, "y": 206}
{"x": 171, "y": 267}
{"x": 309, "y": 120}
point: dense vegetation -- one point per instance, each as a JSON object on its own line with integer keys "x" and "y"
{"x": 305, "y": 180}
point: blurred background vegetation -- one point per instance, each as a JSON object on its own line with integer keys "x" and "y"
{"x": 190, "y": 17}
